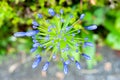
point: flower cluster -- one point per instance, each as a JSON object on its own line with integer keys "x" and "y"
{"x": 60, "y": 37}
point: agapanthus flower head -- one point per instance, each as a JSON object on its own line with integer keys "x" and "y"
{"x": 58, "y": 36}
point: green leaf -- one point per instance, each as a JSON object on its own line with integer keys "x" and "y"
{"x": 113, "y": 40}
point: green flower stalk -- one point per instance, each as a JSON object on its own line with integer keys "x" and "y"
{"x": 59, "y": 36}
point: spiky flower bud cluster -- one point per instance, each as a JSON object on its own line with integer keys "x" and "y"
{"x": 60, "y": 37}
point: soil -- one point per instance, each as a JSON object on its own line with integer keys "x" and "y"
{"x": 16, "y": 68}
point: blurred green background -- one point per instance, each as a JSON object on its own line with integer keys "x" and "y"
{"x": 17, "y": 15}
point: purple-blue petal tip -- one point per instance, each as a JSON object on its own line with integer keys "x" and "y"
{"x": 82, "y": 16}
{"x": 33, "y": 49}
{"x": 40, "y": 15}
{"x": 78, "y": 31}
{"x": 92, "y": 27}
{"x": 78, "y": 65}
{"x": 45, "y": 67}
{"x": 37, "y": 61}
{"x": 65, "y": 67}
{"x": 67, "y": 62}
{"x": 61, "y": 11}
{"x": 88, "y": 44}
{"x": 35, "y": 23}
{"x": 51, "y": 12}
{"x": 86, "y": 56}
{"x": 32, "y": 32}
{"x": 36, "y": 44}
{"x": 54, "y": 56}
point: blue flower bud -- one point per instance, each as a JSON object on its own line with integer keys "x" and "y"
{"x": 54, "y": 56}
{"x": 57, "y": 15}
{"x": 44, "y": 46}
{"x": 41, "y": 45}
{"x": 86, "y": 38}
{"x": 63, "y": 50}
{"x": 34, "y": 27}
{"x": 32, "y": 32}
{"x": 67, "y": 62}
{"x": 71, "y": 58}
{"x": 68, "y": 28}
{"x": 37, "y": 61}
{"x": 52, "y": 41}
{"x": 61, "y": 11}
{"x": 40, "y": 15}
{"x": 51, "y": 12}
{"x": 77, "y": 64}
{"x": 73, "y": 34}
{"x": 64, "y": 39}
{"x": 19, "y": 34}
{"x": 65, "y": 68}
{"x": 67, "y": 48}
{"x": 76, "y": 44}
{"x": 62, "y": 59}
{"x": 62, "y": 20}
{"x": 49, "y": 30}
{"x": 45, "y": 67}
{"x": 59, "y": 36}
{"x": 33, "y": 49}
{"x": 33, "y": 37}
{"x": 86, "y": 56}
{"x": 88, "y": 44}
{"x": 36, "y": 44}
{"x": 35, "y": 41}
{"x": 47, "y": 38}
{"x": 50, "y": 47}
{"x": 77, "y": 50}
{"x": 78, "y": 31}
{"x": 82, "y": 16}
{"x": 92, "y": 27}
{"x": 35, "y": 23}
{"x": 71, "y": 16}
